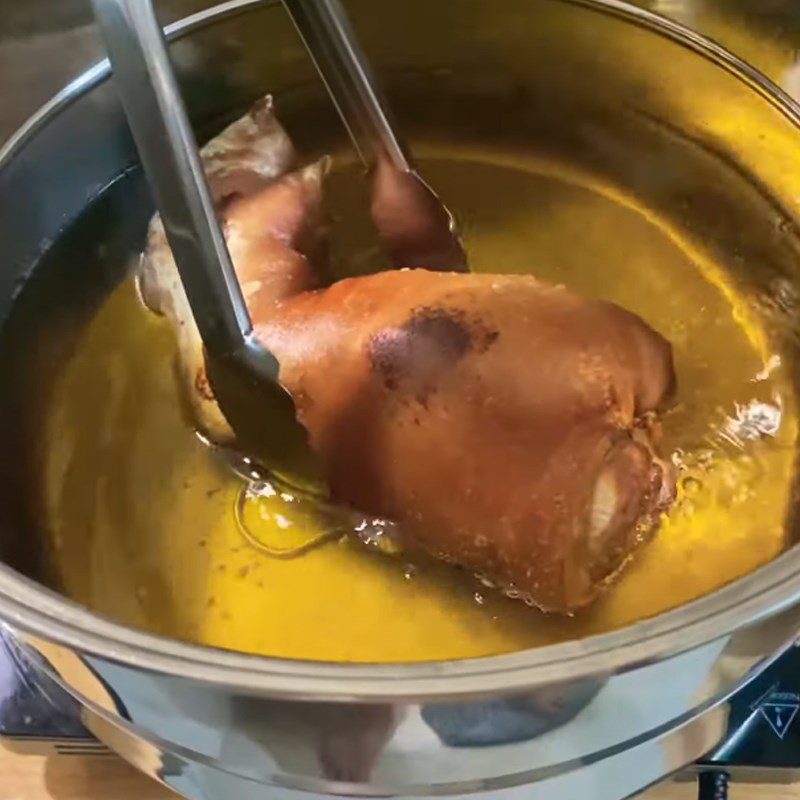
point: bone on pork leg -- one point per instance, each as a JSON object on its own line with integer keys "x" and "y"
{"x": 503, "y": 423}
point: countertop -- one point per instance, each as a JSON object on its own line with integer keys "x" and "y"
{"x": 28, "y": 777}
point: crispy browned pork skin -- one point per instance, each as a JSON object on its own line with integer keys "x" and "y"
{"x": 504, "y": 423}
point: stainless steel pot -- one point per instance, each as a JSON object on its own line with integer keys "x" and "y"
{"x": 627, "y": 97}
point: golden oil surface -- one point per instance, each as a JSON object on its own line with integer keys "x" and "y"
{"x": 141, "y": 513}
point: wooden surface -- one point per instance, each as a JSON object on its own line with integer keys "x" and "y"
{"x": 108, "y": 778}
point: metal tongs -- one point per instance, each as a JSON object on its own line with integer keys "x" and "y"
{"x": 243, "y": 373}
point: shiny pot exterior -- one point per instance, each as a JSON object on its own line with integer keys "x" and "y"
{"x": 601, "y": 737}
{"x": 598, "y": 718}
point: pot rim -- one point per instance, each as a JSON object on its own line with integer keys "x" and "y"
{"x": 35, "y": 612}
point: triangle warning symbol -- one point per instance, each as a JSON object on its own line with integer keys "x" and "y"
{"x": 779, "y": 716}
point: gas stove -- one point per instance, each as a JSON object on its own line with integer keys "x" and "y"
{"x": 762, "y": 742}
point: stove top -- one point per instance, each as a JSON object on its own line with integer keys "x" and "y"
{"x": 762, "y": 741}
{"x": 763, "y": 737}
{"x": 36, "y": 715}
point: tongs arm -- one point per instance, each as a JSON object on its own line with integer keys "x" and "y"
{"x": 168, "y": 150}
{"x": 414, "y": 224}
{"x": 332, "y": 44}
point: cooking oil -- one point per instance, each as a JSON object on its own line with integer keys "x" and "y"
{"x": 152, "y": 527}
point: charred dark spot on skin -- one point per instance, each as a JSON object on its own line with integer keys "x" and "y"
{"x": 447, "y": 328}
{"x": 411, "y": 358}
